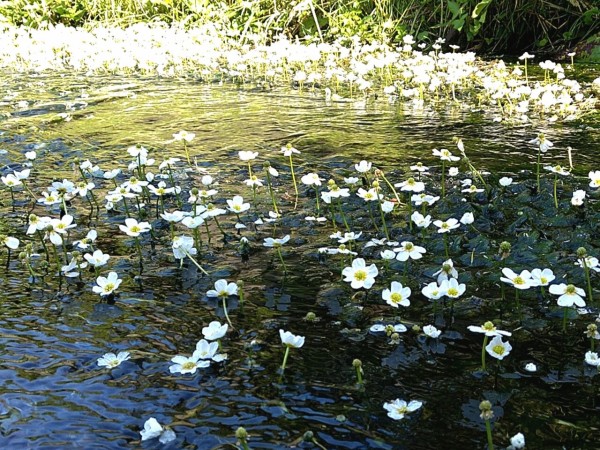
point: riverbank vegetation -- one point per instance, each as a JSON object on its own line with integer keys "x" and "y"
{"x": 491, "y": 26}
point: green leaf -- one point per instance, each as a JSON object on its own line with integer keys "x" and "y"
{"x": 480, "y": 8}
{"x": 454, "y": 8}
{"x": 458, "y": 24}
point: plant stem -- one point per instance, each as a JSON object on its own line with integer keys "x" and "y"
{"x": 197, "y": 265}
{"x": 555, "y": 196}
{"x": 294, "y": 180}
{"x": 485, "y": 341}
{"x": 586, "y": 270}
{"x": 278, "y": 249}
{"x": 488, "y": 431}
{"x": 285, "y": 357}
{"x": 539, "y": 162}
{"x": 225, "y": 311}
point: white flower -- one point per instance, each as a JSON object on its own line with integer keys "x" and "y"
{"x": 592, "y": 359}
{"x": 369, "y": 196}
{"x": 207, "y": 180}
{"x": 521, "y": 281}
{"x": 409, "y": 250}
{"x": 497, "y": 348}
{"x": 288, "y": 150}
{"x": 134, "y": 228}
{"x": 591, "y": 262}
{"x": 208, "y": 351}
{"x": 10, "y": 242}
{"x": 453, "y": 171}
{"x": 237, "y": 205}
{"x": 153, "y": 429}
{"x": 311, "y": 179}
{"x": 446, "y": 226}
{"x": 184, "y": 365}
{"x": 97, "y": 259}
{"x": 388, "y": 255}
{"x": 397, "y": 409}
{"x": 530, "y": 367}
{"x": 420, "y": 220}
{"x": 411, "y": 185}
{"x": 489, "y": 329}
{"x": 569, "y": 295}
{"x": 175, "y": 216}
{"x": 541, "y": 277}
{"x": 270, "y": 242}
{"x": 223, "y": 289}
{"x": 184, "y": 136}
{"x": 214, "y": 331}
{"x": 467, "y": 218}
{"x": 247, "y": 155}
{"x": 291, "y": 340}
{"x": 419, "y": 167}
{"x": 447, "y": 271}
{"x": 351, "y": 180}
{"x": 543, "y": 143}
{"x": 183, "y": 246}
{"x": 578, "y": 197}
{"x": 359, "y": 275}
{"x": 30, "y": 155}
{"x": 452, "y": 289}
{"x": 387, "y": 206}
{"x": 363, "y": 166}
{"x": 397, "y": 295}
{"x": 445, "y": 155}
{"x": 431, "y": 331}
{"x": 505, "y": 181}
{"x": 432, "y": 291}
{"x": 107, "y": 285}
{"x": 594, "y": 177}
{"x": 110, "y": 360}
{"x": 518, "y": 441}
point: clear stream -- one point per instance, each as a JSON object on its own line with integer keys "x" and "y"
{"x": 53, "y": 394}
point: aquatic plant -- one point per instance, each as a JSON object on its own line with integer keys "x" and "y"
{"x": 289, "y": 340}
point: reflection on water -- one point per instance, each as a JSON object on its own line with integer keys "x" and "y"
{"x": 53, "y": 395}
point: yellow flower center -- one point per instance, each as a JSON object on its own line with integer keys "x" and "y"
{"x": 519, "y": 280}
{"x": 570, "y": 289}
{"x": 409, "y": 246}
{"x": 396, "y": 297}
{"x": 453, "y": 292}
{"x": 109, "y": 287}
{"x": 360, "y": 275}
{"x": 188, "y": 365}
{"x": 135, "y": 229}
{"x": 498, "y": 349}
{"x": 544, "y": 280}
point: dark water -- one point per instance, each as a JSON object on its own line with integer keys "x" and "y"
{"x": 53, "y": 394}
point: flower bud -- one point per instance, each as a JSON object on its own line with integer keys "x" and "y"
{"x": 308, "y": 436}
{"x": 357, "y": 363}
{"x": 486, "y": 410}
{"x": 581, "y": 252}
{"x": 241, "y": 434}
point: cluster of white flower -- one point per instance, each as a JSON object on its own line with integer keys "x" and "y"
{"x": 411, "y": 72}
